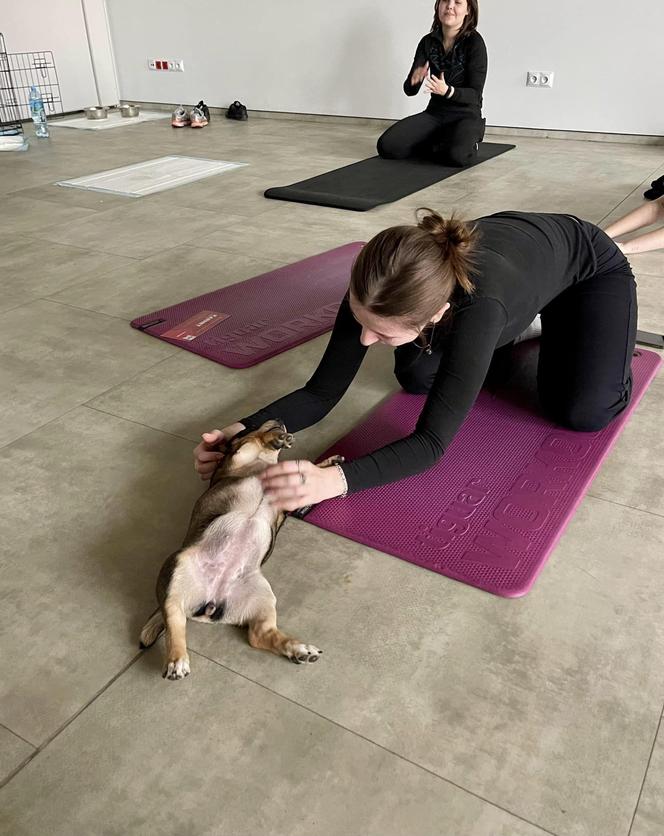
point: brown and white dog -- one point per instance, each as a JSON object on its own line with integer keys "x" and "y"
{"x": 216, "y": 575}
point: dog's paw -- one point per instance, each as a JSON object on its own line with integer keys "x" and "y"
{"x": 302, "y": 653}
{"x": 177, "y": 669}
{"x": 280, "y": 440}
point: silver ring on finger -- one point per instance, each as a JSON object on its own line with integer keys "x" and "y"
{"x": 303, "y": 478}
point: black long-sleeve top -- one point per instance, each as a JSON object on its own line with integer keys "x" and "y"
{"x": 465, "y": 68}
{"x": 523, "y": 261}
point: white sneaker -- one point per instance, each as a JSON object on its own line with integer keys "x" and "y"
{"x": 532, "y": 332}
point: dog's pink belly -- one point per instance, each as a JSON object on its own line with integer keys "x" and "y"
{"x": 224, "y": 559}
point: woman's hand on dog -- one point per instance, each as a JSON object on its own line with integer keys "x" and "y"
{"x": 207, "y": 454}
{"x": 295, "y": 484}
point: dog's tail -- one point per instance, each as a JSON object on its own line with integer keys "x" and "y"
{"x": 152, "y": 630}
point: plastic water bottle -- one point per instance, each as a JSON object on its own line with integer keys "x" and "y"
{"x": 37, "y": 112}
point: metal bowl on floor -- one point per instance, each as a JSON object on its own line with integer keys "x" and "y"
{"x": 129, "y": 110}
{"x": 96, "y": 113}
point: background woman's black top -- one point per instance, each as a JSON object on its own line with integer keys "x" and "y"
{"x": 465, "y": 68}
{"x": 523, "y": 261}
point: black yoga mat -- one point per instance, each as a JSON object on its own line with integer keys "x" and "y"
{"x": 369, "y": 183}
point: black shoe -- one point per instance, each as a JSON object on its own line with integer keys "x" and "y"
{"x": 237, "y": 111}
{"x": 656, "y": 189}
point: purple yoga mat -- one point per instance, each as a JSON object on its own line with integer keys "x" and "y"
{"x": 490, "y": 513}
{"x": 243, "y": 324}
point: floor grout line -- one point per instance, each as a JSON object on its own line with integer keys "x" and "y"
{"x": 130, "y": 378}
{"x": 139, "y": 423}
{"x": 627, "y": 197}
{"x": 645, "y": 774}
{"x": 87, "y": 404}
{"x": 16, "y": 734}
{"x": 374, "y": 743}
{"x": 40, "y": 427}
{"x": 78, "y": 308}
{"x": 69, "y": 721}
{"x": 624, "y": 505}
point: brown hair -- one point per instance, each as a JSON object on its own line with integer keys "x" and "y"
{"x": 469, "y": 24}
{"x": 410, "y": 272}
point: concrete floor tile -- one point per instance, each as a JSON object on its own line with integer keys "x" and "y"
{"x": 91, "y": 507}
{"x": 649, "y": 819}
{"x": 220, "y": 755}
{"x": 56, "y": 357}
{"x": 162, "y": 280}
{"x": 651, "y": 298}
{"x": 137, "y": 231}
{"x": 31, "y": 269}
{"x": 632, "y": 474}
{"x": 24, "y": 214}
{"x": 13, "y": 752}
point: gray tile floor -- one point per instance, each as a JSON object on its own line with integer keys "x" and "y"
{"x": 437, "y": 709}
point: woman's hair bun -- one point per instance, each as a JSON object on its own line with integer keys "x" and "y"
{"x": 457, "y": 242}
{"x": 450, "y": 234}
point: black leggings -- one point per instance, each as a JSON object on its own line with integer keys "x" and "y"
{"x": 451, "y": 139}
{"x": 588, "y": 335}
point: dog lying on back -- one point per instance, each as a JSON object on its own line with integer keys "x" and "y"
{"x": 216, "y": 575}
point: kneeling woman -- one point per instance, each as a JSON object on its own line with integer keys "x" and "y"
{"x": 452, "y": 62}
{"x": 447, "y": 295}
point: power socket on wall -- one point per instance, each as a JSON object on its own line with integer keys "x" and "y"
{"x": 539, "y": 79}
{"x": 163, "y": 64}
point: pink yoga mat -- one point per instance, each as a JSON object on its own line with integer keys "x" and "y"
{"x": 243, "y": 324}
{"x": 490, "y": 513}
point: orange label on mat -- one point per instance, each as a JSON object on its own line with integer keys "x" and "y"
{"x": 195, "y": 326}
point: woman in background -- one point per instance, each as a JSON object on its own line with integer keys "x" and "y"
{"x": 451, "y": 61}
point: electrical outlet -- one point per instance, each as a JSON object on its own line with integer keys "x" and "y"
{"x": 162, "y": 64}
{"x": 546, "y": 79}
{"x": 532, "y": 79}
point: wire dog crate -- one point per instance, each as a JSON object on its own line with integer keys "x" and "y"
{"x": 19, "y": 71}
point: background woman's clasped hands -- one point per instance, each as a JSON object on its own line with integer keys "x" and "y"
{"x": 432, "y": 83}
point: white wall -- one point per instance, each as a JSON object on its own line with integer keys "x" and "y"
{"x": 608, "y": 57}
{"x": 58, "y": 26}
{"x": 349, "y": 57}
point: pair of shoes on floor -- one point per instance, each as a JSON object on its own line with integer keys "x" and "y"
{"x": 198, "y": 116}
{"x": 656, "y": 189}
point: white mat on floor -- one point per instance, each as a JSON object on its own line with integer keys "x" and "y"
{"x": 114, "y": 120}
{"x": 151, "y": 176}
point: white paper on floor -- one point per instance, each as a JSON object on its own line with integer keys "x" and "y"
{"x": 114, "y": 120}
{"x": 151, "y": 176}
